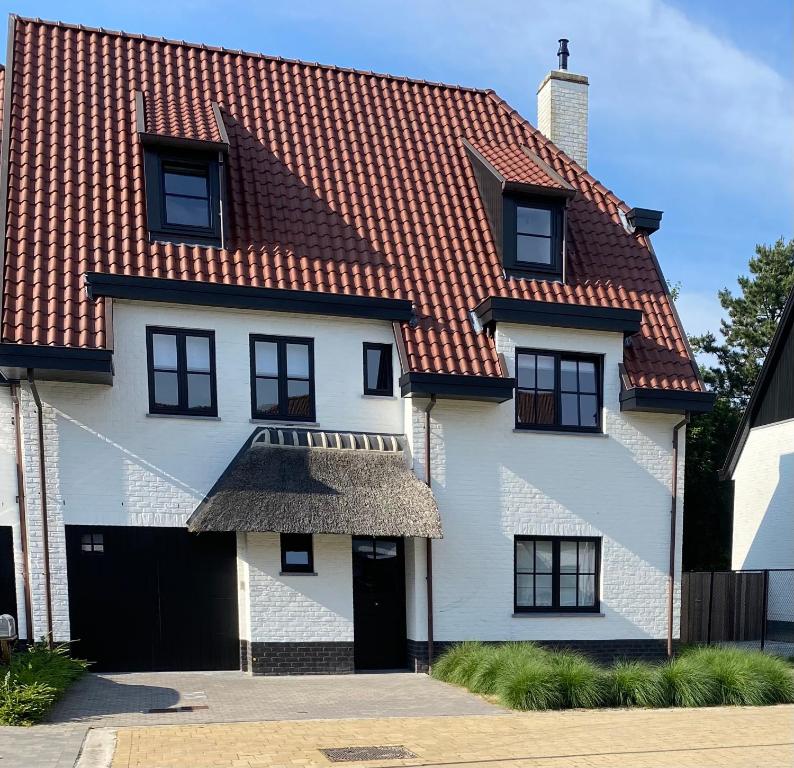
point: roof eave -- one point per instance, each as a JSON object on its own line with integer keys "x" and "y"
{"x": 448, "y": 386}
{"x": 648, "y": 400}
{"x": 48, "y": 363}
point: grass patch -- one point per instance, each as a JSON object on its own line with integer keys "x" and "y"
{"x": 33, "y": 681}
{"x": 525, "y": 676}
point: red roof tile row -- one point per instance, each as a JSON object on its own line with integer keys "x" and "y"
{"x": 339, "y": 181}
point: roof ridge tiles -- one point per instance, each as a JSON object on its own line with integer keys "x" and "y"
{"x": 249, "y": 54}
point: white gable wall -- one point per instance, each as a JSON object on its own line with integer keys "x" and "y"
{"x": 763, "y": 505}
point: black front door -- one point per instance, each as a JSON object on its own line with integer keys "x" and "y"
{"x": 144, "y": 599}
{"x": 8, "y": 588}
{"x": 378, "y": 603}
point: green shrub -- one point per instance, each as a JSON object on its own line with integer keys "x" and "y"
{"x": 33, "y": 681}
{"x": 634, "y": 684}
{"x": 528, "y": 682}
{"x": 687, "y": 684}
{"x": 581, "y": 683}
{"x": 458, "y": 663}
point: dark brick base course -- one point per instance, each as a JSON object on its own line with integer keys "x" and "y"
{"x": 602, "y": 651}
{"x": 298, "y": 658}
{"x": 245, "y": 656}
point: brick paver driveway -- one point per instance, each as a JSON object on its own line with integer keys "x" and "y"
{"x": 722, "y": 737}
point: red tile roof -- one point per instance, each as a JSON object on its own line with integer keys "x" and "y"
{"x": 176, "y": 116}
{"x": 515, "y": 164}
{"x": 339, "y": 181}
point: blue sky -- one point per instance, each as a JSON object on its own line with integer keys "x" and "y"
{"x": 691, "y": 101}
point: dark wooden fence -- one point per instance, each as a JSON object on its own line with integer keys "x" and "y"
{"x": 723, "y": 606}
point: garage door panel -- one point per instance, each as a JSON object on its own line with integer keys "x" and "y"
{"x": 153, "y": 598}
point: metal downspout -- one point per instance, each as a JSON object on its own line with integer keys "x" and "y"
{"x": 23, "y": 523}
{"x": 45, "y": 532}
{"x": 429, "y": 541}
{"x": 673, "y": 525}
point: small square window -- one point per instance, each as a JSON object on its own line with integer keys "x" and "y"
{"x": 533, "y": 235}
{"x": 92, "y": 542}
{"x": 377, "y": 369}
{"x": 297, "y": 555}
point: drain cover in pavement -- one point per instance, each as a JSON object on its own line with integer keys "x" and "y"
{"x": 352, "y": 754}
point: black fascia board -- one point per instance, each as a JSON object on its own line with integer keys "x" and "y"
{"x": 644, "y": 220}
{"x": 245, "y": 297}
{"x": 666, "y": 400}
{"x": 522, "y": 188}
{"x": 497, "y": 309}
{"x": 451, "y": 386}
{"x": 180, "y": 142}
{"x": 57, "y": 363}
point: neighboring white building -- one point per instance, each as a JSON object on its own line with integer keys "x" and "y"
{"x": 253, "y": 307}
{"x": 761, "y": 462}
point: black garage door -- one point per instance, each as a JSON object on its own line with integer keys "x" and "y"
{"x": 8, "y": 589}
{"x": 152, "y": 598}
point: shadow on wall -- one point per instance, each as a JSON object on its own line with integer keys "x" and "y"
{"x": 773, "y": 543}
{"x": 96, "y": 696}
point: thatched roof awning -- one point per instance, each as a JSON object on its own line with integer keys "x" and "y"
{"x": 305, "y": 481}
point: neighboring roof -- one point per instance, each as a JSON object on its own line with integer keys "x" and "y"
{"x": 782, "y": 342}
{"x": 306, "y": 481}
{"x": 339, "y": 182}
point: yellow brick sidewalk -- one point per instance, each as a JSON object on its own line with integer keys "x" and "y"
{"x": 678, "y": 738}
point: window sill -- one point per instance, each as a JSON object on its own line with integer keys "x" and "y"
{"x": 378, "y": 397}
{"x": 566, "y": 432}
{"x": 188, "y": 416}
{"x": 277, "y": 423}
{"x": 558, "y": 615}
{"x": 297, "y": 573}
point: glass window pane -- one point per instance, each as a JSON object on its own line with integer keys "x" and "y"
{"x": 187, "y": 211}
{"x": 525, "y": 371}
{"x": 298, "y": 400}
{"x": 525, "y": 405}
{"x": 587, "y": 557}
{"x": 588, "y": 410}
{"x": 587, "y": 377}
{"x": 524, "y": 590}
{"x": 99, "y": 547}
{"x": 587, "y": 590}
{"x": 266, "y": 358}
{"x": 533, "y": 250}
{"x": 543, "y": 563}
{"x": 296, "y": 557}
{"x": 298, "y": 361}
{"x": 567, "y": 590}
{"x": 543, "y": 590}
{"x": 198, "y": 353}
{"x": 570, "y": 410}
{"x": 568, "y": 379}
{"x": 164, "y": 350}
{"x": 378, "y": 368}
{"x": 546, "y": 377}
{"x": 199, "y": 394}
{"x": 545, "y": 410}
{"x": 567, "y": 557}
{"x": 364, "y": 547}
{"x": 186, "y": 183}
{"x": 525, "y": 555}
{"x": 533, "y": 221}
{"x": 384, "y": 550}
{"x": 166, "y": 388}
{"x": 266, "y": 396}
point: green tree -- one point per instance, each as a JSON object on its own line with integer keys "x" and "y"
{"x": 752, "y": 317}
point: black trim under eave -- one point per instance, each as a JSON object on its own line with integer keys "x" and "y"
{"x": 94, "y": 366}
{"x": 245, "y": 297}
{"x": 666, "y": 400}
{"x": 452, "y": 386}
{"x": 497, "y": 309}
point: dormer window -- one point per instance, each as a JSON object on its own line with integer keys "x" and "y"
{"x": 183, "y": 196}
{"x": 533, "y": 236}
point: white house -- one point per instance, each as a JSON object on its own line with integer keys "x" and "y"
{"x": 761, "y": 461}
{"x": 253, "y": 308}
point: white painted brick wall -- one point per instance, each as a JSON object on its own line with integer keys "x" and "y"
{"x": 493, "y": 483}
{"x": 300, "y": 607}
{"x": 562, "y": 115}
{"x": 763, "y": 503}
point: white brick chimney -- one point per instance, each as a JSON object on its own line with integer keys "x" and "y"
{"x": 562, "y": 108}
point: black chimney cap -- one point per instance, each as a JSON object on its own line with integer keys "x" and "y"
{"x": 563, "y": 53}
{"x": 644, "y": 220}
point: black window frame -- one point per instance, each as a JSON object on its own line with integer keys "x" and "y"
{"x": 285, "y": 547}
{"x": 386, "y": 350}
{"x": 559, "y": 356}
{"x": 92, "y": 543}
{"x": 156, "y": 164}
{"x": 281, "y": 342}
{"x": 539, "y": 270}
{"x": 555, "y": 607}
{"x": 181, "y": 335}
